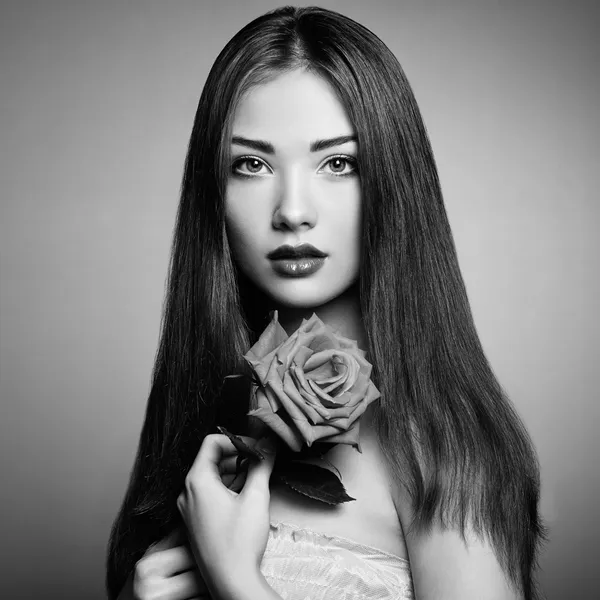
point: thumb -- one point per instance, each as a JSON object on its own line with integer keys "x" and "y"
{"x": 259, "y": 471}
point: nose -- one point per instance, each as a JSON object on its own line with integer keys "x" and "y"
{"x": 295, "y": 209}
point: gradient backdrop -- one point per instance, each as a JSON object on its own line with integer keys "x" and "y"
{"x": 97, "y": 101}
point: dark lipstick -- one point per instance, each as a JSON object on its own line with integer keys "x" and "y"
{"x": 296, "y": 261}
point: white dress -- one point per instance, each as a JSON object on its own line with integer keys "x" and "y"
{"x": 301, "y": 564}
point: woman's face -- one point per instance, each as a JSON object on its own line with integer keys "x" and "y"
{"x": 293, "y": 201}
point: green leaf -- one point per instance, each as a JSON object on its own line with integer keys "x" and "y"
{"x": 243, "y": 449}
{"x": 312, "y": 481}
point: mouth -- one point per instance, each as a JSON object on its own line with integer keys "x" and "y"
{"x": 295, "y": 252}
{"x": 296, "y": 261}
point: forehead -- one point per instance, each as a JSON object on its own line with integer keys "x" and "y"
{"x": 293, "y": 107}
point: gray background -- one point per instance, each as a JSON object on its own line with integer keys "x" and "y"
{"x": 96, "y": 105}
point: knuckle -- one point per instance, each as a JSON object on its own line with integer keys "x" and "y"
{"x": 144, "y": 570}
{"x": 148, "y": 590}
{"x": 141, "y": 589}
{"x": 189, "y": 485}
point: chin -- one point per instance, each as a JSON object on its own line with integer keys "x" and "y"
{"x": 304, "y": 296}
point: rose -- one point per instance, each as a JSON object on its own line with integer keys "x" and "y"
{"x": 311, "y": 386}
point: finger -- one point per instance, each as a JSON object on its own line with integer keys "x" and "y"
{"x": 176, "y": 560}
{"x": 259, "y": 472}
{"x": 175, "y": 538}
{"x": 228, "y": 465}
{"x": 185, "y": 585}
{"x": 215, "y": 448}
{"x": 235, "y": 482}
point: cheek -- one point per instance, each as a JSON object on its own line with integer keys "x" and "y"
{"x": 241, "y": 225}
{"x": 247, "y": 217}
{"x": 345, "y": 220}
{"x": 235, "y": 233}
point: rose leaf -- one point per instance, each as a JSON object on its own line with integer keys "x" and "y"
{"x": 241, "y": 446}
{"x": 312, "y": 481}
{"x": 332, "y": 466}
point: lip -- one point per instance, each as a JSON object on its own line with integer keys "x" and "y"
{"x": 298, "y": 267}
{"x": 294, "y": 252}
{"x": 296, "y": 261}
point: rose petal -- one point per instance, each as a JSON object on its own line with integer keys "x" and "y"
{"x": 320, "y": 394}
{"x": 310, "y": 399}
{"x": 292, "y": 392}
{"x": 320, "y": 358}
{"x": 353, "y": 373}
{"x": 317, "y": 383}
{"x": 279, "y": 426}
{"x": 332, "y": 383}
{"x": 348, "y": 344}
{"x": 289, "y": 348}
{"x": 307, "y": 395}
{"x": 302, "y": 354}
{"x": 274, "y": 403}
{"x": 302, "y": 381}
{"x": 360, "y": 387}
{"x": 341, "y": 412}
{"x": 272, "y": 337}
{"x": 311, "y": 323}
{"x": 349, "y": 370}
{"x": 360, "y": 390}
{"x": 324, "y": 371}
{"x": 261, "y": 367}
{"x": 323, "y": 340}
{"x": 350, "y": 437}
{"x": 346, "y": 422}
{"x": 259, "y": 399}
{"x": 318, "y": 432}
{"x": 372, "y": 393}
{"x": 297, "y": 416}
{"x": 303, "y": 339}
{"x": 365, "y": 366}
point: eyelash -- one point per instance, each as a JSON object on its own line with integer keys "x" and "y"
{"x": 348, "y": 159}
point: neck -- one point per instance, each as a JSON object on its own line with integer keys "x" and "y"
{"x": 342, "y": 314}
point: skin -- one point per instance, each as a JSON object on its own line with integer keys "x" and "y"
{"x": 288, "y": 196}
{"x": 228, "y": 531}
{"x": 168, "y": 569}
{"x": 292, "y": 195}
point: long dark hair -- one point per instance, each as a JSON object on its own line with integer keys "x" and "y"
{"x": 452, "y": 437}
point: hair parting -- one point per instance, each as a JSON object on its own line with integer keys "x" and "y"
{"x": 452, "y": 437}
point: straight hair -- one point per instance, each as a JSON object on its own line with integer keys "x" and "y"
{"x": 452, "y": 438}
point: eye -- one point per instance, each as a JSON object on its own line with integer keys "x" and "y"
{"x": 248, "y": 166}
{"x": 340, "y": 166}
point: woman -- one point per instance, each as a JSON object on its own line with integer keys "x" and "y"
{"x": 307, "y": 132}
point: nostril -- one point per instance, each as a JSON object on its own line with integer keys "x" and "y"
{"x": 294, "y": 219}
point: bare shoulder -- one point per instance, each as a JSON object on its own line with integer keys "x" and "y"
{"x": 448, "y": 565}
{"x": 371, "y": 519}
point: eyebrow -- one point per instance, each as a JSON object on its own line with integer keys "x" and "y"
{"x": 315, "y": 146}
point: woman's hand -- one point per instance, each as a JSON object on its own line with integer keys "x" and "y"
{"x": 228, "y": 531}
{"x": 167, "y": 571}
